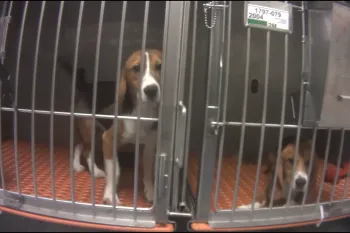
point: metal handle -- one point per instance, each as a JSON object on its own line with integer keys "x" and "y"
{"x": 162, "y": 175}
{"x": 180, "y": 142}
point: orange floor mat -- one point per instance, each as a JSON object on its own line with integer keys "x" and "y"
{"x": 62, "y": 176}
{"x": 247, "y": 182}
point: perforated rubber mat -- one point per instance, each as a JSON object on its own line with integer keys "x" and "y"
{"x": 82, "y": 180}
{"x": 247, "y": 182}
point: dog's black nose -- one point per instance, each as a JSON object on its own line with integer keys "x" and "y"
{"x": 151, "y": 91}
{"x": 300, "y": 183}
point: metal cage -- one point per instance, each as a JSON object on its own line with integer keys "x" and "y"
{"x": 230, "y": 93}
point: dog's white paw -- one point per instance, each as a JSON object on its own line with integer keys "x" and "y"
{"x": 245, "y": 207}
{"x": 149, "y": 192}
{"x": 77, "y": 166}
{"x": 98, "y": 173}
{"x": 76, "y": 162}
{"x": 108, "y": 198}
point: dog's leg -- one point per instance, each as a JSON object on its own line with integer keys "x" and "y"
{"x": 78, "y": 150}
{"x": 148, "y": 165}
{"x": 97, "y": 172}
{"x": 107, "y": 139}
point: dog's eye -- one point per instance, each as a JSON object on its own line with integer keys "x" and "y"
{"x": 158, "y": 67}
{"x": 136, "y": 68}
{"x": 291, "y": 160}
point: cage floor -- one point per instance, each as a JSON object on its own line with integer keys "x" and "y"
{"x": 62, "y": 184}
{"x": 247, "y": 182}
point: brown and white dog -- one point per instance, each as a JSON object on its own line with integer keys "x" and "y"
{"x": 146, "y": 85}
{"x": 299, "y": 182}
{"x": 83, "y": 126}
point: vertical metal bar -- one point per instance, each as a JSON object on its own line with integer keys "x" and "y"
{"x": 190, "y": 99}
{"x": 94, "y": 97}
{"x": 137, "y": 144}
{"x": 52, "y": 105}
{"x": 181, "y": 110}
{"x": 72, "y": 100}
{"x": 15, "y": 112}
{"x": 262, "y": 133}
{"x": 159, "y": 164}
{"x": 301, "y": 99}
{"x": 1, "y": 161}
{"x": 4, "y": 30}
{"x": 210, "y": 137}
{"x": 240, "y": 153}
{"x": 340, "y": 153}
{"x": 224, "y": 110}
{"x": 324, "y": 167}
{"x": 115, "y": 120}
{"x": 33, "y": 96}
{"x": 166, "y": 124}
{"x": 283, "y": 112}
{"x": 309, "y": 171}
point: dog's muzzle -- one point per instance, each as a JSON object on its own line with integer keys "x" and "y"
{"x": 151, "y": 91}
{"x": 300, "y": 181}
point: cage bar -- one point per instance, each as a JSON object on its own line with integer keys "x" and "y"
{"x": 72, "y": 99}
{"x": 52, "y": 103}
{"x": 94, "y": 97}
{"x": 137, "y": 144}
{"x": 115, "y": 121}
{"x": 189, "y": 110}
{"x": 33, "y": 95}
{"x": 15, "y": 113}
{"x": 243, "y": 120}
{"x": 278, "y": 160}
{"x": 262, "y": 133}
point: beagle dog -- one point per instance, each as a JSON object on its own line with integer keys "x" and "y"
{"x": 83, "y": 127}
{"x": 135, "y": 83}
{"x": 299, "y": 182}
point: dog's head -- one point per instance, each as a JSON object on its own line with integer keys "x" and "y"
{"x": 146, "y": 81}
{"x": 301, "y": 178}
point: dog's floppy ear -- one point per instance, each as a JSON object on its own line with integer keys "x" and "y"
{"x": 272, "y": 166}
{"x": 122, "y": 91}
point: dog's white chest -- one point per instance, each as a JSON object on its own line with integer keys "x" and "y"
{"x": 131, "y": 129}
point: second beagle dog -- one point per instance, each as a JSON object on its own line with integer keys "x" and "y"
{"x": 83, "y": 127}
{"x": 299, "y": 182}
{"x": 135, "y": 83}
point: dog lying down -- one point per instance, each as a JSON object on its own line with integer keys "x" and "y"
{"x": 299, "y": 182}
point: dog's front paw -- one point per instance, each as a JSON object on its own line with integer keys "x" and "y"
{"x": 149, "y": 192}
{"x": 248, "y": 207}
{"x": 108, "y": 199}
{"x": 78, "y": 167}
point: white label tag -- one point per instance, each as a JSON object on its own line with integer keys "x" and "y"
{"x": 267, "y": 17}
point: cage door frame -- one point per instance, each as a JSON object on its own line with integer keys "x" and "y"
{"x": 169, "y": 105}
{"x": 212, "y": 113}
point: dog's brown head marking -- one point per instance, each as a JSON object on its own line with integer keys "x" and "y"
{"x": 147, "y": 81}
{"x": 300, "y": 179}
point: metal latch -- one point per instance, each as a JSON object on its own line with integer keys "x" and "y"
{"x": 163, "y": 177}
{"x": 180, "y": 132}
